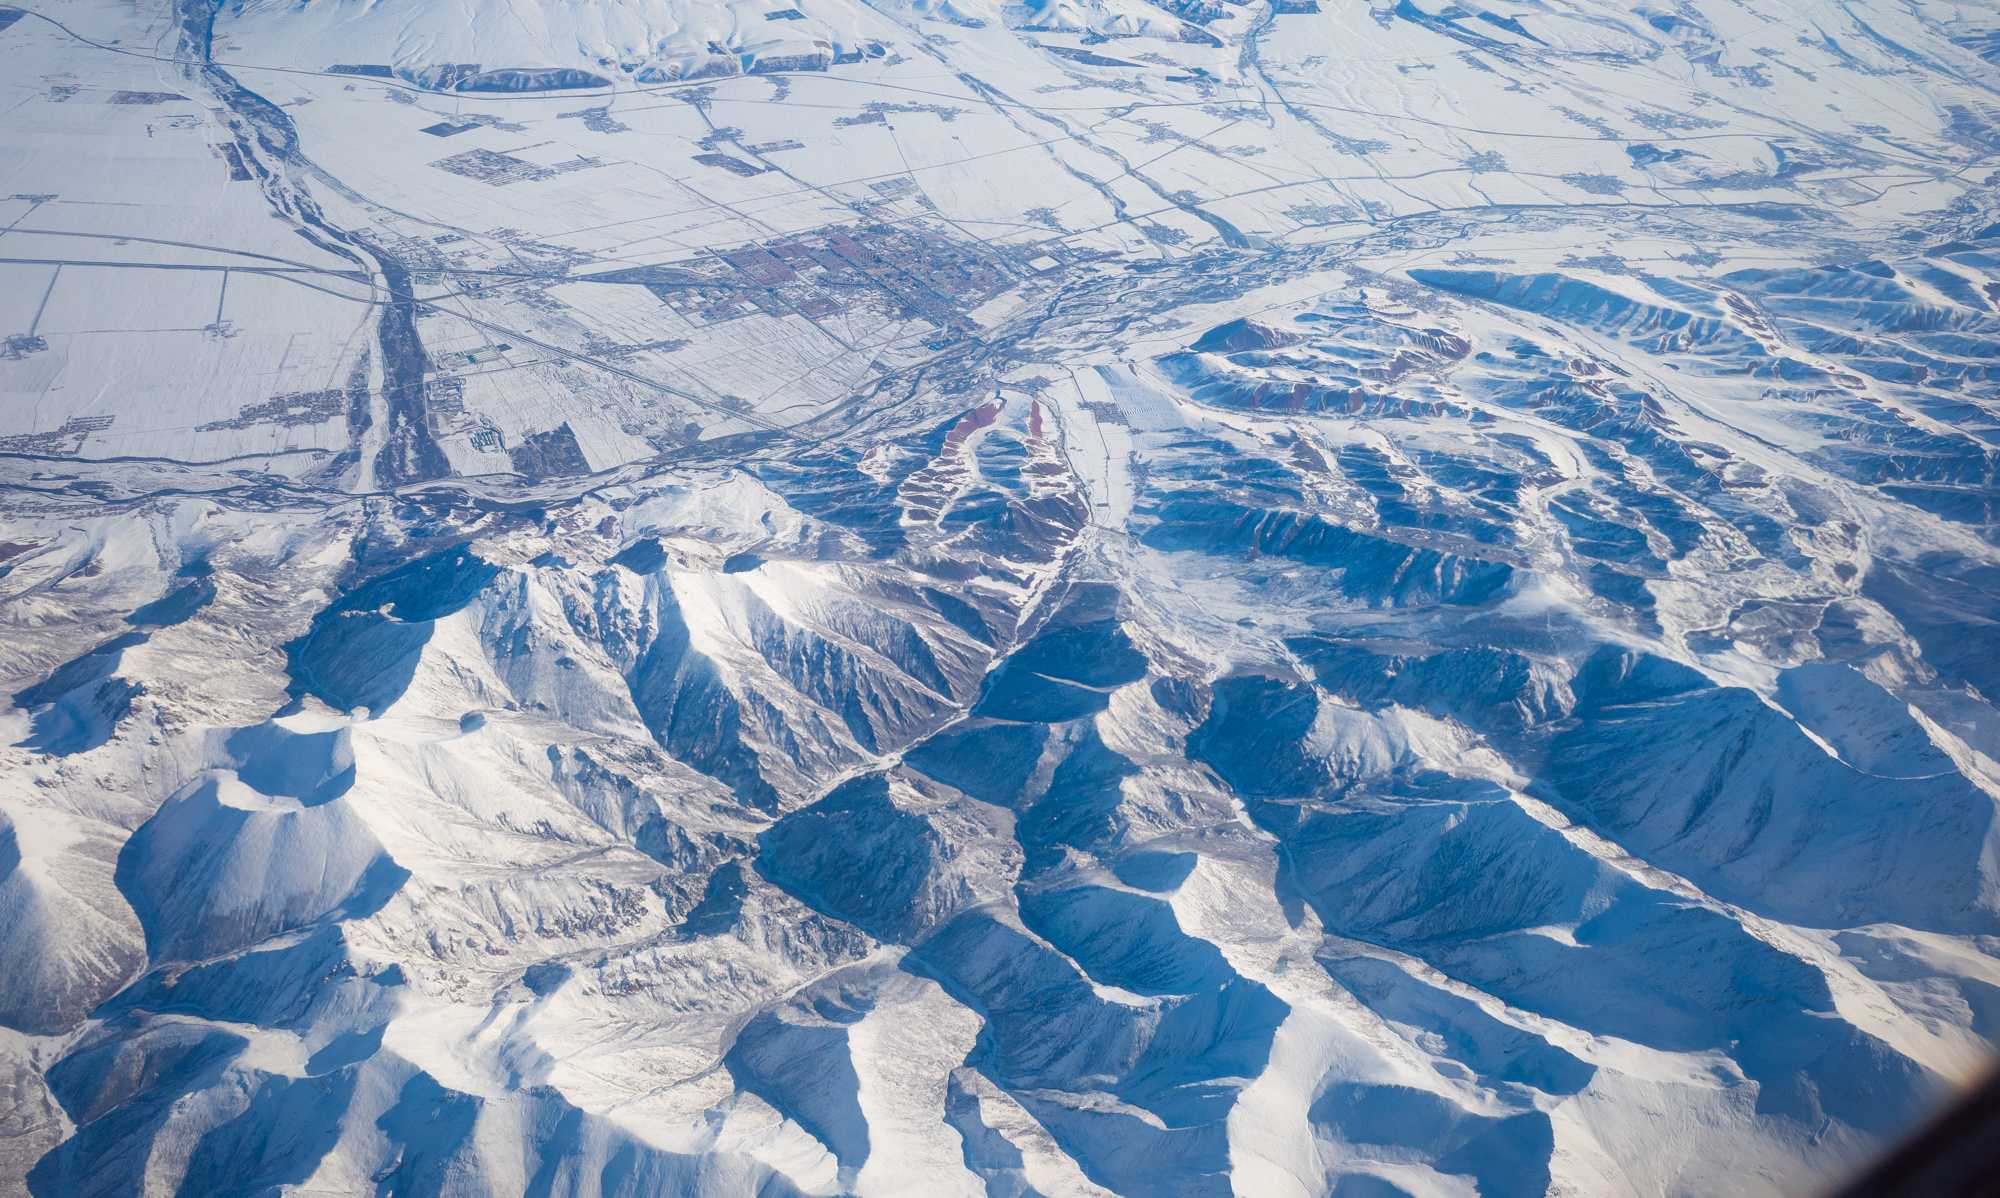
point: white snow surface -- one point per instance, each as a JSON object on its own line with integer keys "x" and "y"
{"x": 1194, "y": 597}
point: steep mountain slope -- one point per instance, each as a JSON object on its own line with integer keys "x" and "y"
{"x": 1068, "y": 599}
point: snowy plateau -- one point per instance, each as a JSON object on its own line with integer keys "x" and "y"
{"x": 952, "y": 598}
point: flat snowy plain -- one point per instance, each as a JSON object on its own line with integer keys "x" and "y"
{"x": 939, "y": 598}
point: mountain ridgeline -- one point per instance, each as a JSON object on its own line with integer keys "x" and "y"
{"x": 1158, "y": 600}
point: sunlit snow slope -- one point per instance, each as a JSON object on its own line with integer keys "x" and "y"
{"x": 950, "y": 598}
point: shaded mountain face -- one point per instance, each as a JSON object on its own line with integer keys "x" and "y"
{"x": 1067, "y": 599}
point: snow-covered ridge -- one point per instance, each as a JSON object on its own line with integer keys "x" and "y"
{"x": 980, "y": 599}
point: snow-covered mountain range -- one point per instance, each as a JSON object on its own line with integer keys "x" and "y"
{"x": 1096, "y": 597}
